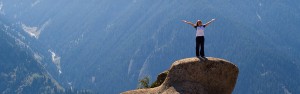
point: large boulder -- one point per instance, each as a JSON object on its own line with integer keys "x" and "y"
{"x": 196, "y": 76}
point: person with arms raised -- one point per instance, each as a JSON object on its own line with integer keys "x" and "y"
{"x": 199, "y": 36}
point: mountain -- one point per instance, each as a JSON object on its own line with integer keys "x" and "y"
{"x": 194, "y": 76}
{"x": 106, "y": 46}
{"x": 21, "y": 72}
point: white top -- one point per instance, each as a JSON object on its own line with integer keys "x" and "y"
{"x": 200, "y": 30}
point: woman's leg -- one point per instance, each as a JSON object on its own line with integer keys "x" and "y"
{"x": 202, "y": 46}
{"x": 198, "y": 41}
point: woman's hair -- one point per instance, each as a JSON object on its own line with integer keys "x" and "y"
{"x": 197, "y": 22}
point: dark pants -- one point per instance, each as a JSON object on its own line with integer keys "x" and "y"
{"x": 200, "y": 42}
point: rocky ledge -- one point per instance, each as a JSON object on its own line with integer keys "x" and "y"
{"x": 196, "y": 76}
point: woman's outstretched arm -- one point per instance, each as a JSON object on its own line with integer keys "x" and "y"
{"x": 190, "y": 23}
{"x": 209, "y": 22}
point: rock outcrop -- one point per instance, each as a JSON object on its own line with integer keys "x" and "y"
{"x": 194, "y": 76}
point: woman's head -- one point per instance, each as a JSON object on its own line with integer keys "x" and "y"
{"x": 199, "y": 22}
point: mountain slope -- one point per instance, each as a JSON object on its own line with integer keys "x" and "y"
{"x": 20, "y": 72}
{"x": 108, "y": 45}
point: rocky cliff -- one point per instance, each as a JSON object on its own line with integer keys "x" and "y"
{"x": 194, "y": 76}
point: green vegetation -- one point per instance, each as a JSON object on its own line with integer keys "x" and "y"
{"x": 144, "y": 83}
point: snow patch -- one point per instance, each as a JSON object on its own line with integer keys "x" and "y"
{"x": 286, "y": 91}
{"x": 129, "y": 66}
{"x": 1, "y": 8}
{"x": 56, "y": 60}
{"x": 32, "y": 31}
{"x": 132, "y": 61}
{"x": 143, "y": 71}
{"x": 37, "y": 57}
{"x": 70, "y": 85}
{"x": 35, "y": 3}
{"x": 1, "y": 5}
{"x": 93, "y": 79}
{"x": 265, "y": 73}
{"x": 35, "y": 31}
{"x": 258, "y": 16}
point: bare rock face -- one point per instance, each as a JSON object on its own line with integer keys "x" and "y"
{"x": 194, "y": 76}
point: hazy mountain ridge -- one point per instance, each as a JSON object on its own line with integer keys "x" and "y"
{"x": 116, "y": 42}
{"x": 20, "y": 72}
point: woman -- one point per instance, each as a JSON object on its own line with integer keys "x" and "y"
{"x": 199, "y": 36}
